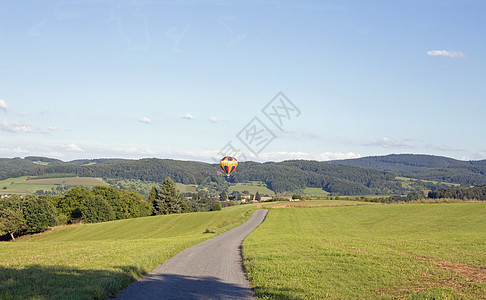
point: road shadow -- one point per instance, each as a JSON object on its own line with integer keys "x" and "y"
{"x": 173, "y": 286}
{"x": 59, "y": 282}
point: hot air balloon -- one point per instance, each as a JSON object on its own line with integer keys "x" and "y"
{"x": 228, "y": 164}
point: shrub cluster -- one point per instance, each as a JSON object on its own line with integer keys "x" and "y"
{"x": 33, "y": 213}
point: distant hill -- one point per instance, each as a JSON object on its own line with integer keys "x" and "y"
{"x": 376, "y": 175}
{"x": 426, "y": 167}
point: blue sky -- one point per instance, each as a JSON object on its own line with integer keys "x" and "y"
{"x": 262, "y": 80}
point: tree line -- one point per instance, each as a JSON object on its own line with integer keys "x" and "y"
{"x": 34, "y": 213}
{"x": 473, "y": 193}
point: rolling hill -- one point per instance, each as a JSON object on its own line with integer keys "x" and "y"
{"x": 425, "y": 167}
{"x": 378, "y": 175}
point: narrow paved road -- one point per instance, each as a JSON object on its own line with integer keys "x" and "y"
{"x": 210, "y": 270}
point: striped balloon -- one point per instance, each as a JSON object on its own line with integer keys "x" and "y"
{"x": 228, "y": 164}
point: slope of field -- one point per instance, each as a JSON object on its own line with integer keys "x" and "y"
{"x": 95, "y": 261}
{"x": 368, "y": 252}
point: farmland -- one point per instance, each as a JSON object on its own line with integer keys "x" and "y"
{"x": 415, "y": 251}
{"x": 24, "y": 184}
{"x": 251, "y": 187}
{"x": 97, "y": 260}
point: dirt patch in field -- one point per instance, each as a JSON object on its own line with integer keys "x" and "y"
{"x": 477, "y": 275}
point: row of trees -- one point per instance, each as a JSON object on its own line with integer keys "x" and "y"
{"x": 474, "y": 193}
{"x": 34, "y": 213}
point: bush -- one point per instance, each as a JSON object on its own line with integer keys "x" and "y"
{"x": 215, "y": 206}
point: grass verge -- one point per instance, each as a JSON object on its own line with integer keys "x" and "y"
{"x": 416, "y": 251}
{"x": 95, "y": 261}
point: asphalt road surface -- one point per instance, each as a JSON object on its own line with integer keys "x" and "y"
{"x": 210, "y": 270}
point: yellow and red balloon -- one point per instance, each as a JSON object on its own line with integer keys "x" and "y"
{"x": 228, "y": 164}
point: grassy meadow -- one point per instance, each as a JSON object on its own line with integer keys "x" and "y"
{"x": 251, "y": 187}
{"x": 24, "y": 185}
{"x": 94, "y": 261}
{"x": 411, "y": 251}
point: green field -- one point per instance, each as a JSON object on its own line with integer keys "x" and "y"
{"x": 97, "y": 260}
{"x": 315, "y": 192}
{"x": 413, "y": 251}
{"x": 251, "y": 187}
{"x": 406, "y": 182}
{"x": 24, "y": 185}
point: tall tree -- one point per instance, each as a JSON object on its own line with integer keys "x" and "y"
{"x": 168, "y": 200}
{"x": 223, "y": 196}
{"x": 258, "y": 197}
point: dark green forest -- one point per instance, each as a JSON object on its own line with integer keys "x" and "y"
{"x": 427, "y": 167}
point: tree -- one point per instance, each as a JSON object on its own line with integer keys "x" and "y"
{"x": 223, "y": 196}
{"x": 215, "y": 205}
{"x": 70, "y": 205}
{"x": 96, "y": 209}
{"x": 258, "y": 197}
{"x": 11, "y": 222}
{"x": 111, "y": 195}
{"x": 168, "y": 200}
{"x": 39, "y": 213}
{"x": 132, "y": 204}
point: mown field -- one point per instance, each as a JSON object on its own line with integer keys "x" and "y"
{"x": 95, "y": 261}
{"x": 411, "y": 251}
{"x": 24, "y": 185}
{"x": 251, "y": 187}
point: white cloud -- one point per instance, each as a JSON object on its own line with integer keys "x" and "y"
{"x": 14, "y": 127}
{"x": 444, "y": 148}
{"x": 73, "y": 147}
{"x": 132, "y": 150}
{"x": 216, "y": 120}
{"x": 477, "y": 156}
{"x": 3, "y": 106}
{"x": 390, "y": 143}
{"x": 188, "y": 117}
{"x": 324, "y": 156}
{"x": 16, "y": 150}
{"x": 52, "y": 128}
{"x": 144, "y": 120}
{"x": 445, "y": 53}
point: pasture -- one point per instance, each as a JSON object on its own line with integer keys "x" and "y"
{"x": 94, "y": 261}
{"x": 25, "y": 185}
{"x": 251, "y": 187}
{"x": 416, "y": 251}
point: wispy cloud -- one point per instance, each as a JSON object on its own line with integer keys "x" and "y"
{"x": 3, "y": 105}
{"x": 444, "y": 148}
{"x": 477, "y": 156}
{"x": 390, "y": 143}
{"x": 446, "y": 53}
{"x": 215, "y": 120}
{"x": 16, "y": 150}
{"x": 73, "y": 147}
{"x": 144, "y": 120}
{"x": 132, "y": 151}
{"x": 15, "y": 127}
{"x": 188, "y": 117}
{"x": 283, "y": 155}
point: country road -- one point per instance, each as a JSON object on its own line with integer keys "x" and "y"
{"x": 210, "y": 270}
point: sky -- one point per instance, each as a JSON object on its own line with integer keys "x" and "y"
{"x": 259, "y": 80}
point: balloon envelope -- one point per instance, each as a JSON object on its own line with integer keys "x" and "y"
{"x": 228, "y": 164}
